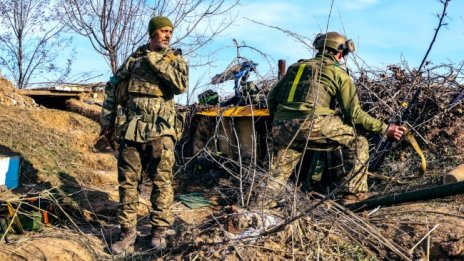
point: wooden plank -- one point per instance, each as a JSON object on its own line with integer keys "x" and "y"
{"x": 47, "y": 93}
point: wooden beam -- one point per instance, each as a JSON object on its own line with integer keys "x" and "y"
{"x": 48, "y": 93}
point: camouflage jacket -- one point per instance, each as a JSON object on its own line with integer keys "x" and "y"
{"x": 302, "y": 93}
{"x": 144, "y": 88}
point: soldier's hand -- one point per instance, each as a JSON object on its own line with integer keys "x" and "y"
{"x": 169, "y": 56}
{"x": 395, "y": 132}
{"x": 107, "y": 132}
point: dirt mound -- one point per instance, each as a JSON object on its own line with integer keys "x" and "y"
{"x": 57, "y": 245}
{"x": 87, "y": 108}
{"x": 9, "y": 96}
{"x": 411, "y": 222}
{"x": 57, "y": 152}
{"x": 53, "y": 141}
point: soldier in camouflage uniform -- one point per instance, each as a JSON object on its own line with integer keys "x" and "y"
{"x": 144, "y": 87}
{"x": 303, "y": 107}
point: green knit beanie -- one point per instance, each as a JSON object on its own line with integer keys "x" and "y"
{"x": 158, "y": 22}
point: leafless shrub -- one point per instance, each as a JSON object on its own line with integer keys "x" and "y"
{"x": 114, "y": 28}
{"x": 435, "y": 117}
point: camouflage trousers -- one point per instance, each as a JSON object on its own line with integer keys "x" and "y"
{"x": 157, "y": 159}
{"x": 291, "y": 137}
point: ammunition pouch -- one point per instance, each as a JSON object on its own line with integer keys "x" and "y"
{"x": 147, "y": 88}
{"x": 168, "y": 125}
{"x": 147, "y": 118}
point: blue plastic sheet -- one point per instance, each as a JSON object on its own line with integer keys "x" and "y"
{"x": 9, "y": 172}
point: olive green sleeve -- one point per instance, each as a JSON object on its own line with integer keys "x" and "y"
{"x": 348, "y": 99}
{"x": 172, "y": 69}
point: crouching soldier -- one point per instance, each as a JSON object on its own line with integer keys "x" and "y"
{"x": 303, "y": 105}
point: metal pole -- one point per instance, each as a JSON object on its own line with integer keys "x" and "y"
{"x": 415, "y": 195}
{"x": 282, "y": 69}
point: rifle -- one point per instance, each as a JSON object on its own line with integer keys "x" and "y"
{"x": 386, "y": 144}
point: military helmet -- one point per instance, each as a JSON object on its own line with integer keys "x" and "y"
{"x": 334, "y": 41}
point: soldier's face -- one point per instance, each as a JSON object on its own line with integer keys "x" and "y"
{"x": 161, "y": 38}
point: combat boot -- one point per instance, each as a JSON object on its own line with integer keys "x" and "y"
{"x": 158, "y": 238}
{"x": 126, "y": 240}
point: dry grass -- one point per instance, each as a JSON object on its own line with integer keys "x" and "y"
{"x": 52, "y": 142}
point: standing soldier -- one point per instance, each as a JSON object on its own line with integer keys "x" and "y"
{"x": 144, "y": 86}
{"x": 303, "y": 105}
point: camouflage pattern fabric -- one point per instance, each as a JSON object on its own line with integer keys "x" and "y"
{"x": 291, "y": 136}
{"x": 144, "y": 86}
{"x": 149, "y": 80}
{"x": 303, "y": 104}
{"x": 157, "y": 158}
{"x": 319, "y": 96}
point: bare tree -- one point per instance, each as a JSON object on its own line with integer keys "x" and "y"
{"x": 197, "y": 22}
{"x": 31, "y": 40}
{"x": 114, "y": 27}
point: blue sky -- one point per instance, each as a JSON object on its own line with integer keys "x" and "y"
{"x": 384, "y": 31}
